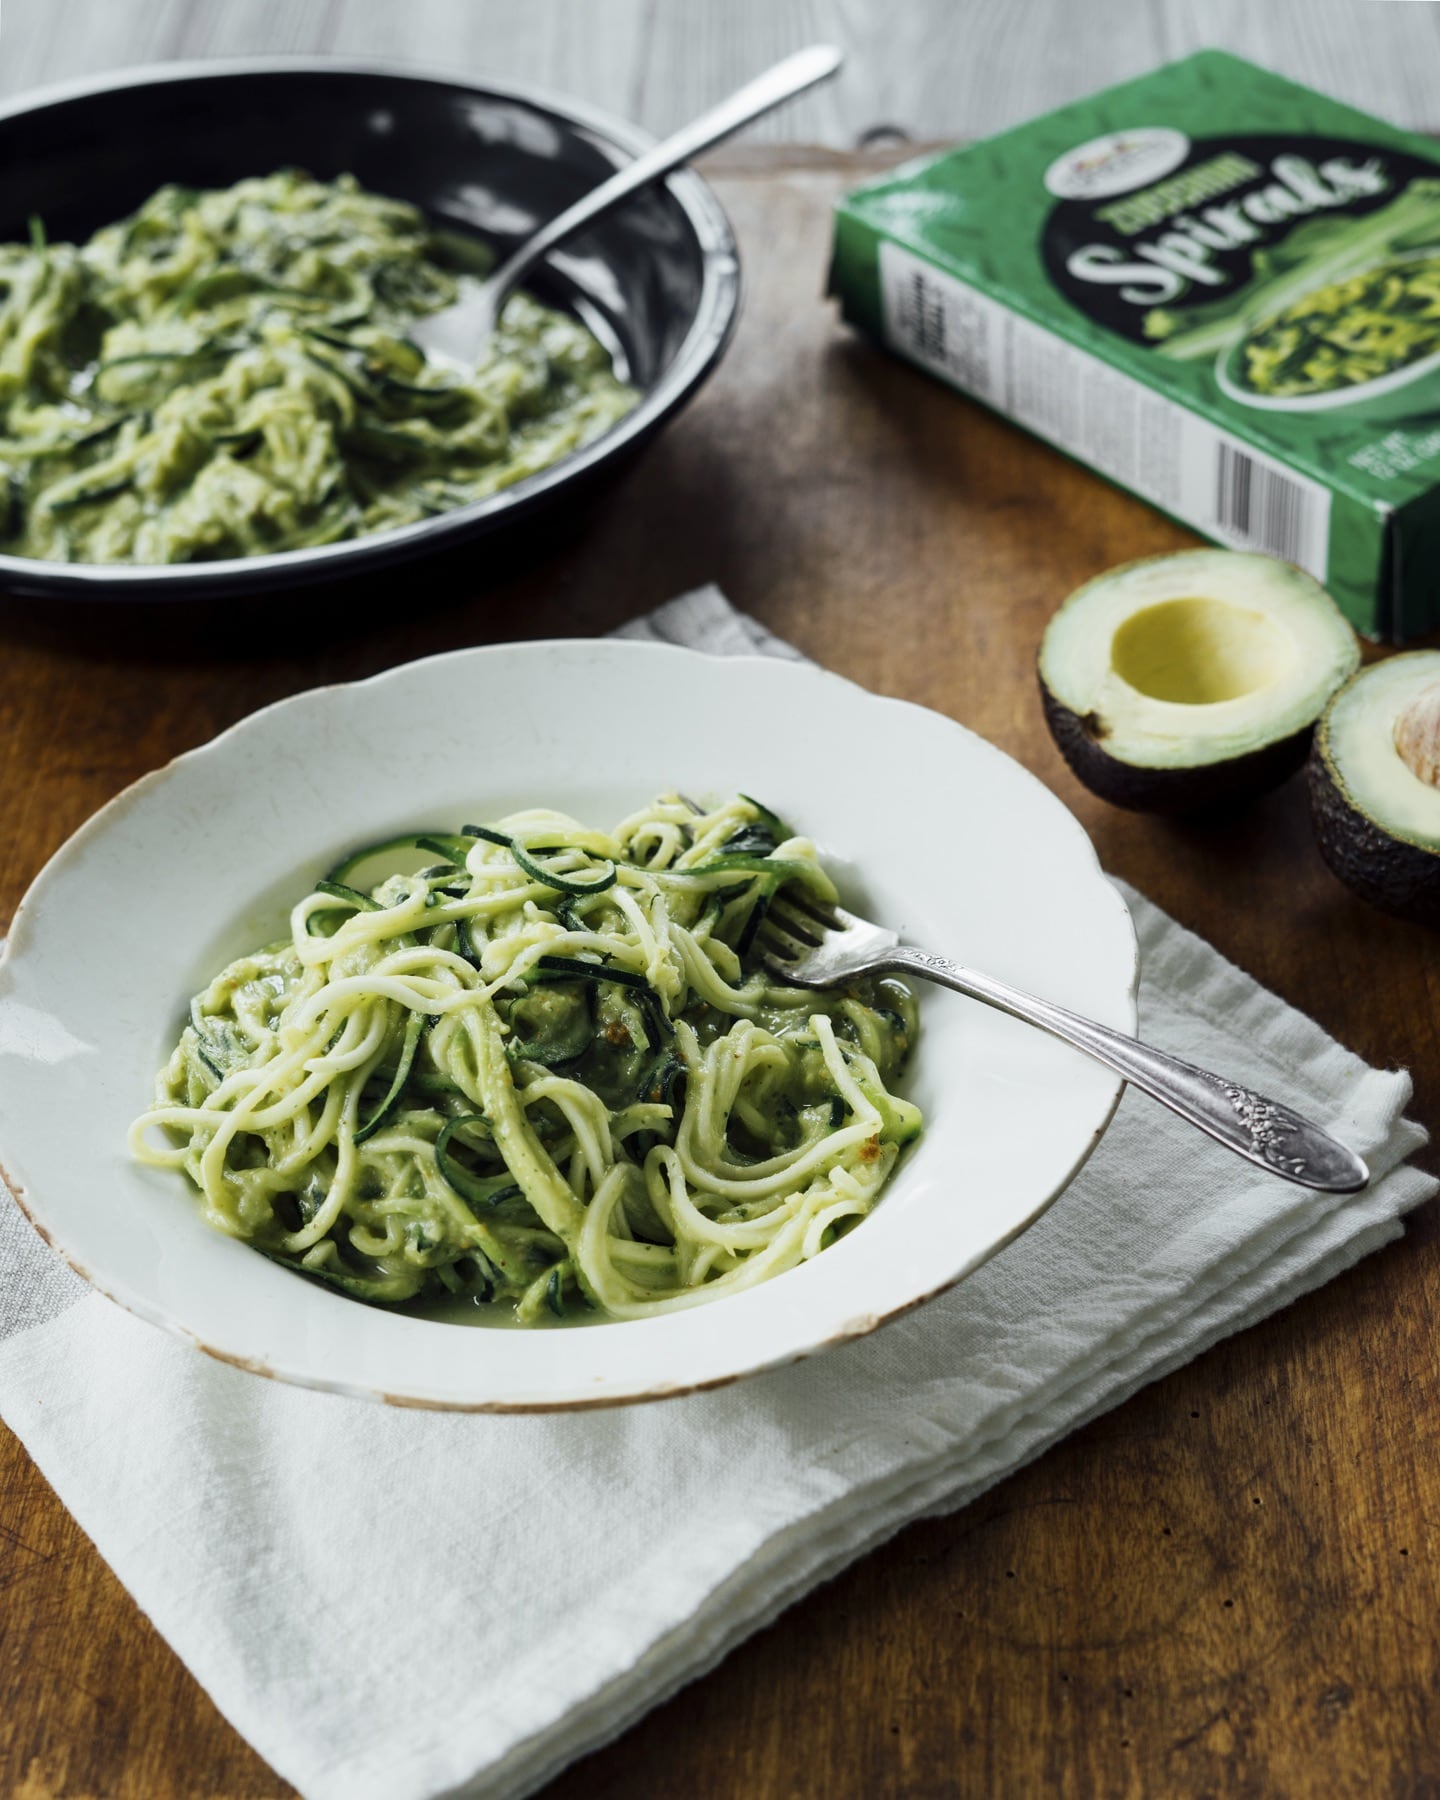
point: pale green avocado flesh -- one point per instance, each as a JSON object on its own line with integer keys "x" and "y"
{"x": 1177, "y": 681}
{"x": 1357, "y": 742}
{"x": 1377, "y": 823}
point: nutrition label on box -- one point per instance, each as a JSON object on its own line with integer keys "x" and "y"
{"x": 1178, "y": 461}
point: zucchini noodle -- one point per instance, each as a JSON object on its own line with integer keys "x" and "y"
{"x": 226, "y": 374}
{"x": 531, "y": 1066}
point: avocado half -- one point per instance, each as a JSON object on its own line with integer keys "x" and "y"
{"x": 1180, "y": 682}
{"x": 1375, "y": 785}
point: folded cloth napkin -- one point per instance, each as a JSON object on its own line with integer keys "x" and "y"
{"x": 404, "y": 1604}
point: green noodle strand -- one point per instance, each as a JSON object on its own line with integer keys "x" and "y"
{"x": 598, "y": 1109}
{"x": 227, "y": 374}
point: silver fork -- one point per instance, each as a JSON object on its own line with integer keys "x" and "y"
{"x": 458, "y": 334}
{"x": 817, "y": 946}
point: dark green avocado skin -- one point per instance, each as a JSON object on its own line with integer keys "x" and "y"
{"x": 1176, "y": 791}
{"x": 1397, "y": 877}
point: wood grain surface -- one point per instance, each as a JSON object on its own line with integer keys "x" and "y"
{"x": 932, "y": 69}
{"x": 1229, "y": 1585}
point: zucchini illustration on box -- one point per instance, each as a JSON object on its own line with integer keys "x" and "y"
{"x": 1215, "y": 287}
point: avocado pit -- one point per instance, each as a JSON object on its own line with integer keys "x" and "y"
{"x": 1375, "y": 785}
{"x": 1417, "y": 736}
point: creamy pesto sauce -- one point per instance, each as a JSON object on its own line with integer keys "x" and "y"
{"x": 227, "y": 374}
{"x": 540, "y": 1077}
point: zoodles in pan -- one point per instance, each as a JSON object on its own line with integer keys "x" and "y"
{"x": 227, "y": 374}
{"x": 538, "y": 1072}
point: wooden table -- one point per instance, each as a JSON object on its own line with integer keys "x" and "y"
{"x": 1229, "y": 1585}
{"x": 931, "y": 69}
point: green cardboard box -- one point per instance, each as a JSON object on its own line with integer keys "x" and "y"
{"x": 1215, "y": 287}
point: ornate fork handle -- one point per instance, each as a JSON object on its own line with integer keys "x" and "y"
{"x": 1263, "y": 1131}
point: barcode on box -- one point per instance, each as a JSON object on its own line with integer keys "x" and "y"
{"x": 1265, "y": 507}
{"x": 1143, "y": 439}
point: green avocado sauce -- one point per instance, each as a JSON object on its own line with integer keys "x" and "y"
{"x": 227, "y": 374}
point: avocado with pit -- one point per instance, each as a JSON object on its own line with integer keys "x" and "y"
{"x": 1182, "y": 682}
{"x": 1375, "y": 785}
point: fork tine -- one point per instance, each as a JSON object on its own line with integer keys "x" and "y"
{"x": 799, "y": 925}
{"x": 814, "y": 912}
{"x": 772, "y": 940}
{"x": 784, "y": 965}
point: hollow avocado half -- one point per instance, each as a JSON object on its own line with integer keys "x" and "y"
{"x": 1181, "y": 682}
{"x": 1375, "y": 785}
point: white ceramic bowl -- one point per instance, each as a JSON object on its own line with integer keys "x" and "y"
{"x": 925, "y": 826}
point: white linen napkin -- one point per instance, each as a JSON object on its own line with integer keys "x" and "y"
{"x": 400, "y": 1604}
